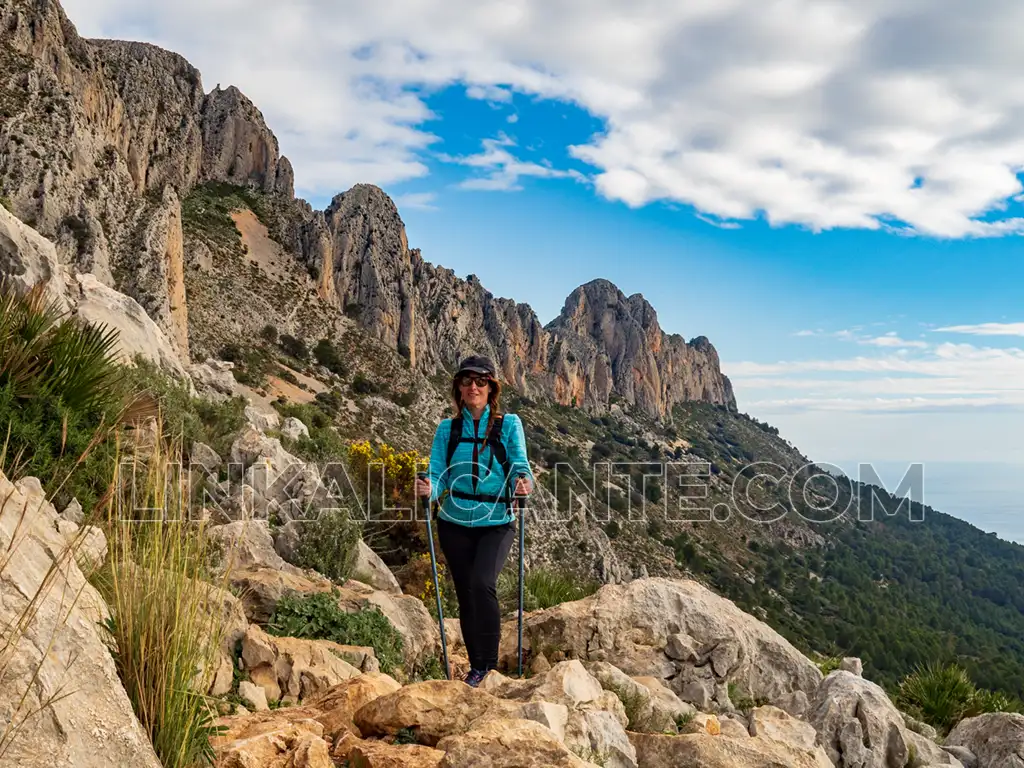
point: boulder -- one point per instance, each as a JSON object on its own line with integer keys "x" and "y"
{"x": 293, "y": 429}
{"x": 138, "y": 334}
{"x": 374, "y": 754}
{"x": 859, "y": 727}
{"x": 507, "y": 743}
{"x": 996, "y": 739}
{"x": 337, "y": 705}
{"x": 706, "y": 751}
{"x": 58, "y": 682}
{"x": 646, "y": 711}
{"x": 253, "y": 695}
{"x": 596, "y": 717}
{"x": 28, "y": 259}
{"x": 408, "y": 614}
{"x": 773, "y": 723}
{"x": 432, "y": 710}
{"x": 263, "y": 588}
{"x": 293, "y": 670}
{"x": 600, "y": 732}
{"x": 286, "y": 540}
{"x": 214, "y": 378}
{"x": 967, "y": 758}
{"x": 89, "y": 544}
{"x": 641, "y": 626}
{"x": 73, "y": 512}
{"x": 278, "y": 739}
{"x": 568, "y": 683}
{"x": 853, "y": 665}
{"x": 201, "y": 456}
{"x": 247, "y": 544}
{"x": 794, "y": 703}
{"x": 280, "y": 484}
{"x": 262, "y": 419}
{"x": 369, "y": 568}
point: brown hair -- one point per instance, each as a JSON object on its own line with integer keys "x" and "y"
{"x": 493, "y": 400}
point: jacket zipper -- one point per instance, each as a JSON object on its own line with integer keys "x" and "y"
{"x": 476, "y": 455}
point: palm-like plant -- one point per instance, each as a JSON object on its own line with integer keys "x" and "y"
{"x": 939, "y": 694}
{"x": 43, "y": 353}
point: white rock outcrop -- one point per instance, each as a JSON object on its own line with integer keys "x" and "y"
{"x": 75, "y": 713}
{"x": 676, "y": 630}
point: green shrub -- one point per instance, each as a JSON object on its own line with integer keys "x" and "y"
{"x": 269, "y": 334}
{"x": 542, "y": 588}
{"x": 363, "y": 386}
{"x": 293, "y": 347}
{"x": 328, "y": 356}
{"x": 318, "y": 617}
{"x": 62, "y": 395}
{"x": 186, "y": 418}
{"x": 941, "y": 695}
{"x": 327, "y": 544}
{"x": 6, "y": 203}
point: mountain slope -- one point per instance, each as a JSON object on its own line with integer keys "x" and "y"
{"x": 181, "y": 199}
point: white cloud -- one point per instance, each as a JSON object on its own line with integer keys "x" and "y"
{"x": 986, "y": 329}
{"x": 851, "y": 113}
{"x": 501, "y": 170}
{"x": 891, "y": 340}
{"x": 945, "y": 377}
{"x": 421, "y": 200}
{"x": 489, "y": 93}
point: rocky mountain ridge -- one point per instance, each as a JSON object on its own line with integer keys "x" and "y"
{"x": 104, "y": 139}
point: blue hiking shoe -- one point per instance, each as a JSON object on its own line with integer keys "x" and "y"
{"x": 475, "y": 677}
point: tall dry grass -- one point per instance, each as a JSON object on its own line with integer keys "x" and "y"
{"x": 165, "y": 625}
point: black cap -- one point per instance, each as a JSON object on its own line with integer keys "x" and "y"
{"x": 477, "y": 364}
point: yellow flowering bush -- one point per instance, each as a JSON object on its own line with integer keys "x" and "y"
{"x": 399, "y": 467}
{"x": 395, "y": 533}
{"x": 449, "y": 600}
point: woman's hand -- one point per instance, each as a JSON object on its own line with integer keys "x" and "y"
{"x": 524, "y": 486}
{"x": 422, "y": 486}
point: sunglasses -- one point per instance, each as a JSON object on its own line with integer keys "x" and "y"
{"x": 481, "y": 381}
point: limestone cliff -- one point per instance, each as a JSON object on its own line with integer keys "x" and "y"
{"x": 103, "y": 139}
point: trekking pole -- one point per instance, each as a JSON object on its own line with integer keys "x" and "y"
{"x": 437, "y": 586}
{"x": 522, "y": 569}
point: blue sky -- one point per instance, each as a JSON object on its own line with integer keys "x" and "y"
{"x": 836, "y": 210}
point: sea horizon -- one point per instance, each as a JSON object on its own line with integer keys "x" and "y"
{"x": 984, "y": 494}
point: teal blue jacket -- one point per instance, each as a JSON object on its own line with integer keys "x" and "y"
{"x": 490, "y": 475}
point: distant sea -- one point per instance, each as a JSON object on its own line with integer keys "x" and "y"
{"x": 988, "y": 496}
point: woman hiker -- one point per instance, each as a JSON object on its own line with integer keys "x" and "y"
{"x": 474, "y": 472}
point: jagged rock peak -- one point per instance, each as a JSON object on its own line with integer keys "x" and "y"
{"x": 239, "y": 148}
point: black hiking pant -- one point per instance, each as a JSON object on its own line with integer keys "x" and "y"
{"x": 475, "y": 557}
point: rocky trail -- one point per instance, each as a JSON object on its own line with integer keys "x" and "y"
{"x": 654, "y": 673}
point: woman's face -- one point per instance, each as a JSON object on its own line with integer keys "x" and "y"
{"x": 474, "y": 389}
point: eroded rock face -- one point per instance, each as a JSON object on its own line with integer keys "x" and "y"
{"x": 92, "y": 725}
{"x": 603, "y": 342}
{"x": 858, "y": 726}
{"x": 996, "y": 739}
{"x": 138, "y": 334}
{"x": 238, "y": 147}
{"x": 630, "y": 625}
